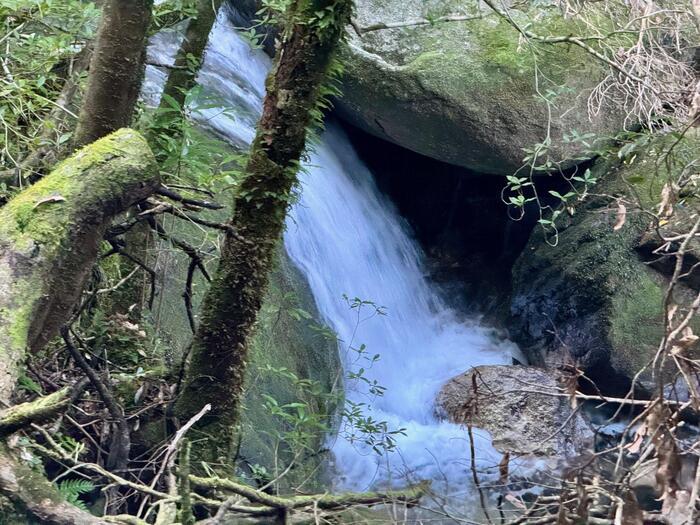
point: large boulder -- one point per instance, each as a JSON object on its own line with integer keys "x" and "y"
{"x": 466, "y": 92}
{"x": 592, "y": 300}
{"x": 525, "y": 409}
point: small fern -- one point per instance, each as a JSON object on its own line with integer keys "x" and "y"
{"x": 71, "y": 489}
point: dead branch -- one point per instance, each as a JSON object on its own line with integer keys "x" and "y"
{"x": 412, "y": 23}
{"x": 157, "y": 207}
{"x": 409, "y": 495}
{"x": 40, "y": 410}
{"x": 173, "y": 195}
{"x": 120, "y": 444}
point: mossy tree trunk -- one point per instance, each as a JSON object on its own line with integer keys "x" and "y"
{"x": 183, "y": 74}
{"x": 190, "y": 56}
{"x": 50, "y": 235}
{"x": 217, "y": 361}
{"x": 116, "y": 69}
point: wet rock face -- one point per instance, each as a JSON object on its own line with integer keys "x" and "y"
{"x": 525, "y": 410}
{"x": 589, "y": 300}
{"x": 464, "y": 92}
{"x": 592, "y": 300}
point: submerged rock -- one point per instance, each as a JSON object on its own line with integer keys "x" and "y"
{"x": 466, "y": 92}
{"x": 525, "y": 410}
{"x": 591, "y": 300}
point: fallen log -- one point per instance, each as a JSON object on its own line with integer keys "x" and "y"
{"x": 50, "y": 236}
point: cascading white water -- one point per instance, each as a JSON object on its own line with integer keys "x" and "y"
{"x": 348, "y": 240}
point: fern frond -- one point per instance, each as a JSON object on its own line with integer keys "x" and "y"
{"x": 71, "y": 489}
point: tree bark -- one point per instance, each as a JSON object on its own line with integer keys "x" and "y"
{"x": 183, "y": 75}
{"x": 116, "y": 69}
{"x": 190, "y": 56}
{"x": 217, "y": 364}
{"x": 49, "y": 240}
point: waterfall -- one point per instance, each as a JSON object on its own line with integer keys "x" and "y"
{"x": 349, "y": 241}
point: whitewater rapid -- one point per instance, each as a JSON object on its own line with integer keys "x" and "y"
{"x": 350, "y": 242}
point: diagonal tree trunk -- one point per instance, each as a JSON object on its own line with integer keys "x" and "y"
{"x": 190, "y": 56}
{"x": 183, "y": 74}
{"x": 49, "y": 239}
{"x": 217, "y": 363}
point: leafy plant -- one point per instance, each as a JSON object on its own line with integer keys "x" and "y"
{"x": 27, "y": 384}
{"x": 72, "y": 489}
{"x": 187, "y": 153}
{"x": 40, "y": 38}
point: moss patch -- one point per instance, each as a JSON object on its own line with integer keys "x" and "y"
{"x": 50, "y": 234}
{"x": 591, "y": 297}
{"x": 39, "y": 213}
{"x": 473, "y": 88}
{"x": 637, "y": 324}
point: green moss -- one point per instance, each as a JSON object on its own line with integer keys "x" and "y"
{"x": 20, "y": 318}
{"x": 637, "y": 321}
{"x": 287, "y": 337}
{"x": 593, "y": 288}
{"x": 39, "y": 213}
{"x": 490, "y": 54}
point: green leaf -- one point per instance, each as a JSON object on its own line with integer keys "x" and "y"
{"x": 71, "y": 489}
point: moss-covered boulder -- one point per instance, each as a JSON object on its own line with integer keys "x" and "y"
{"x": 591, "y": 300}
{"x": 467, "y": 92}
{"x": 292, "y": 384}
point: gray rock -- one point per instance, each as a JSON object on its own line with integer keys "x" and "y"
{"x": 521, "y": 407}
{"x": 464, "y": 92}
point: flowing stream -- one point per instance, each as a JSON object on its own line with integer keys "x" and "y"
{"x": 349, "y": 241}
